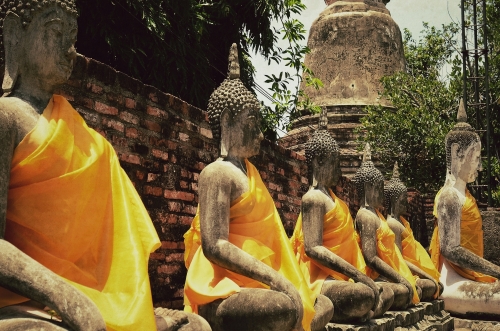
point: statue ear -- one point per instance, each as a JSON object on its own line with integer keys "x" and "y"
{"x": 224, "y": 133}
{"x": 455, "y": 152}
{"x": 11, "y": 33}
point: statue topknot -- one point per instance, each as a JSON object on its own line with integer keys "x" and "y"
{"x": 26, "y": 9}
{"x": 367, "y": 173}
{"x": 462, "y": 134}
{"x": 394, "y": 188}
{"x": 231, "y": 95}
{"x": 322, "y": 142}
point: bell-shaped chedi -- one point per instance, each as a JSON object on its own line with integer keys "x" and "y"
{"x": 354, "y": 43}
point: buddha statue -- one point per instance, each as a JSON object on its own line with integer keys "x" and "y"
{"x": 415, "y": 255}
{"x": 75, "y": 237}
{"x": 326, "y": 243}
{"x": 242, "y": 273}
{"x": 470, "y": 282}
{"x": 377, "y": 240}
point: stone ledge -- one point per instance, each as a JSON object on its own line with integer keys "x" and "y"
{"x": 476, "y": 325}
{"x": 427, "y": 316}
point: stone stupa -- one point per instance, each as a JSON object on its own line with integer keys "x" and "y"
{"x": 354, "y": 43}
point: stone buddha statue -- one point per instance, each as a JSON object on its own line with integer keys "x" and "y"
{"x": 470, "y": 282}
{"x": 415, "y": 255}
{"x": 326, "y": 243}
{"x": 75, "y": 237}
{"x": 377, "y": 240}
{"x": 242, "y": 273}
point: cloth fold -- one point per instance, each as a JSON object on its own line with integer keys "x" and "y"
{"x": 72, "y": 208}
{"x": 416, "y": 254}
{"x": 256, "y": 228}
{"x": 471, "y": 238}
{"x": 388, "y": 251}
{"x": 339, "y": 237}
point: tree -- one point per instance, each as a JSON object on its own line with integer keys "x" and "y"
{"x": 425, "y": 103}
{"x": 182, "y": 47}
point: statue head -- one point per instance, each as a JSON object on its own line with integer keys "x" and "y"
{"x": 396, "y": 195}
{"x": 234, "y": 114}
{"x": 322, "y": 155}
{"x": 369, "y": 181}
{"x": 38, "y": 38}
{"x": 463, "y": 149}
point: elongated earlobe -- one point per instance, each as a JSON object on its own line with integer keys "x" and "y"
{"x": 224, "y": 133}
{"x": 11, "y": 29}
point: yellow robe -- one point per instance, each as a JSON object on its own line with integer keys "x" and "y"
{"x": 416, "y": 254}
{"x": 256, "y": 228}
{"x": 471, "y": 238}
{"x": 388, "y": 252}
{"x": 339, "y": 237}
{"x": 72, "y": 208}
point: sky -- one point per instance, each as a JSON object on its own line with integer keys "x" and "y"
{"x": 407, "y": 14}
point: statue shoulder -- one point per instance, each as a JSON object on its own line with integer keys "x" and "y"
{"x": 366, "y": 218}
{"x": 315, "y": 199}
{"x": 222, "y": 173}
{"x": 395, "y": 225}
{"x": 449, "y": 197}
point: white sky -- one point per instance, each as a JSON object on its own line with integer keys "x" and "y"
{"x": 407, "y": 13}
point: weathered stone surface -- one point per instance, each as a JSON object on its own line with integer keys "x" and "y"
{"x": 427, "y": 316}
{"x": 476, "y": 325}
{"x": 353, "y": 44}
{"x": 491, "y": 229}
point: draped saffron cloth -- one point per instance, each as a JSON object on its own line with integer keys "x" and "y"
{"x": 339, "y": 237}
{"x": 256, "y": 228}
{"x": 388, "y": 252}
{"x": 471, "y": 238}
{"x": 416, "y": 254}
{"x": 72, "y": 208}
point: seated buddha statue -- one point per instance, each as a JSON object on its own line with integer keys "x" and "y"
{"x": 415, "y": 255}
{"x": 378, "y": 245}
{"x": 75, "y": 238}
{"x": 326, "y": 244}
{"x": 242, "y": 273}
{"x": 470, "y": 282}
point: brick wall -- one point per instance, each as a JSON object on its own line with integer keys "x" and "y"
{"x": 163, "y": 143}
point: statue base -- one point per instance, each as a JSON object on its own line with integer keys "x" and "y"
{"x": 425, "y": 316}
{"x": 475, "y": 325}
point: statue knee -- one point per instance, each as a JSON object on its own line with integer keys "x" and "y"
{"x": 251, "y": 310}
{"x": 324, "y": 312}
{"x": 365, "y": 297}
{"x": 17, "y": 324}
{"x": 195, "y": 323}
{"x": 428, "y": 289}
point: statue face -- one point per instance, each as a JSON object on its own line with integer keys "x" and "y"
{"x": 47, "y": 51}
{"x": 244, "y": 134}
{"x": 470, "y": 163}
{"x": 401, "y": 204}
{"x": 374, "y": 194}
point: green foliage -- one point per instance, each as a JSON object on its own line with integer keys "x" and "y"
{"x": 424, "y": 111}
{"x": 426, "y": 102}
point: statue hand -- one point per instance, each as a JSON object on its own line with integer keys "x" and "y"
{"x": 407, "y": 284}
{"x": 287, "y": 288}
{"x": 371, "y": 284}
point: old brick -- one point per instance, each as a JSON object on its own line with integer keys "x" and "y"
{"x": 129, "y": 103}
{"x": 183, "y": 137}
{"x": 191, "y": 210}
{"x": 168, "y": 269}
{"x": 169, "y": 245}
{"x": 153, "y": 126}
{"x": 157, "y": 256}
{"x": 153, "y": 190}
{"x": 130, "y": 158}
{"x": 128, "y": 117}
{"x": 153, "y": 111}
{"x": 175, "y": 257}
{"x": 174, "y": 206}
{"x": 131, "y": 133}
{"x": 118, "y": 126}
{"x": 178, "y": 195}
{"x": 159, "y": 154}
{"x": 105, "y": 109}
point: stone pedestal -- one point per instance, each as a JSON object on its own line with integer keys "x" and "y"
{"x": 425, "y": 316}
{"x": 476, "y": 325}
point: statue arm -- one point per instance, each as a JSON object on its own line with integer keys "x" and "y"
{"x": 215, "y": 202}
{"x": 367, "y": 222}
{"x": 449, "y": 211}
{"x": 313, "y": 211}
{"x": 23, "y": 275}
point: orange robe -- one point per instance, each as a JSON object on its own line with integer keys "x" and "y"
{"x": 388, "y": 252}
{"x": 416, "y": 254}
{"x": 471, "y": 238}
{"x": 339, "y": 237}
{"x": 72, "y": 208}
{"x": 256, "y": 228}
